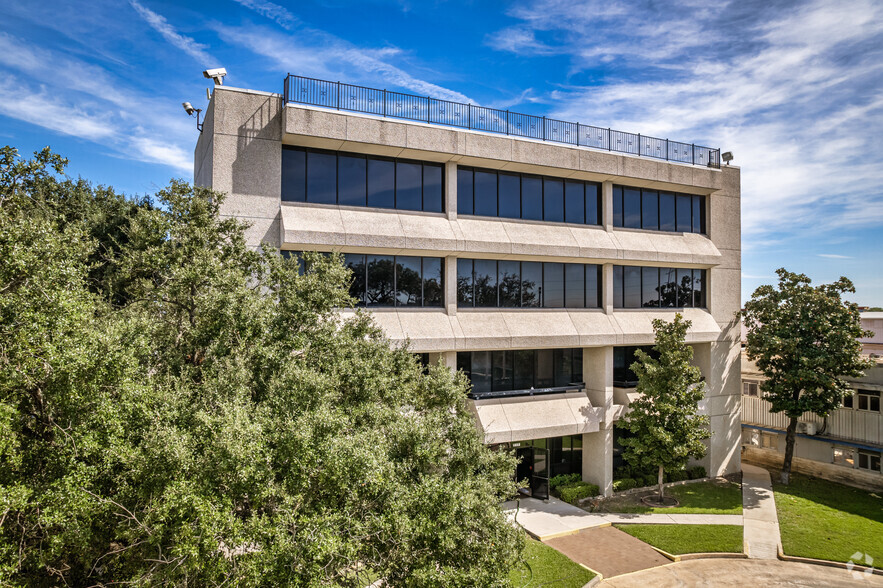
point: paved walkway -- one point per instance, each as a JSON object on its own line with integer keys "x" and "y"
{"x": 736, "y": 573}
{"x": 761, "y": 529}
{"x": 608, "y": 550}
{"x": 547, "y": 520}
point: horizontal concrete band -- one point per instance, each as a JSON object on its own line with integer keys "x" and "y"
{"x": 346, "y": 131}
{"x": 504, "y": 420}
{"x": 326, "y": 228}
{"x": 434, "y": 330}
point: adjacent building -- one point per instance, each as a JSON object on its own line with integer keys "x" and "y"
{"x": 844, "y": 447}
{"x": 528, "y": 252}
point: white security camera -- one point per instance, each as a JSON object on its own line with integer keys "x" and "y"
{"x": 188, "y": 108}
{"x": 216, "y": 74}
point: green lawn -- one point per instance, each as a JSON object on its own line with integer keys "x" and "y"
{"x": 680, "y": 539}
{"x": 714, "y": 497}
{"x": 548, "y": 567}
{"x": 826, "y": 520}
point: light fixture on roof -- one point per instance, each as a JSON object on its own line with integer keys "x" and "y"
{"x": 216, "y": 74}
{"x": 188, "y": 108}
{"x": 727, "y": 156}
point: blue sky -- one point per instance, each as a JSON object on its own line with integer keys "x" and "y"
{"x": 792, "y": 88}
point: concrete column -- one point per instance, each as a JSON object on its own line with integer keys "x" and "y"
{"x": 702, "y": 360}
{"x": 598, "y": 447}
{"x": 607, "y": 288}
{"x": 450, "y": 359}
{"x": 607, "y": 205}
{"x": 451, "y": 189}
{"x": 450, "y": 285}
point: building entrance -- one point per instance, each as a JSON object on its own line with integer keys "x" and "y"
{"x": 533, "y": 466}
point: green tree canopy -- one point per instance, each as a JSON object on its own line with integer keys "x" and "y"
{"x": 804, "y": 339}
{"x": 666, "y": 425}
{"x": 176, "y": 408}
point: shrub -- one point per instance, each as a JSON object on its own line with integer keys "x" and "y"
{"x": 563, "y": 480}
{"x": 696, "y": 472}
{"x": 620, "y": 473}
{"x": 679, "y": 476}
{"x": 650, "y": 479}
{"x": 624, "y": 484}
{"x": 573, "y": 492}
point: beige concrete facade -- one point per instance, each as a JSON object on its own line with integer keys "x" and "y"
{"x": 240, "y": 153}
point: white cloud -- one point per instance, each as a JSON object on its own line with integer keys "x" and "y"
{"x": 280, "y": 14}
{"x": 834, "y": 256}
{"x": 182, "y": 42}
{"x": 793, "y": 91}
{"x": 318, "y": 54}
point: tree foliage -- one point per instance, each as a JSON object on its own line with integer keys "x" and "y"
{"x": 667, "y": 428}
{"x": 178, "y": 409}
{"x": 804, "y": 339}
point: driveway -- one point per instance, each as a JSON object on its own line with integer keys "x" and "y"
{"x": 741, "y": 572}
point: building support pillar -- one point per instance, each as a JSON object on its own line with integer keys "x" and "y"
{"x": 598, "y": 447}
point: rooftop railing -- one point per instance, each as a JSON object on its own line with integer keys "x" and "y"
{"x": 387, "y": 103}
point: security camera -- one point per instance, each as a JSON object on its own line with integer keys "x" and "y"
{"x": 216, "y": 74}
{"x": 188, "y": 108}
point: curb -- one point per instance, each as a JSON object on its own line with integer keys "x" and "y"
{"x": 701, "y": 555}
{"x": 827, "y": 563}
{"x": 594, "y": 581}
{"x": 565, "y": 533}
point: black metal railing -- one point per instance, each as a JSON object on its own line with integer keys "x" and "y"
{"x": 341, "y": 96}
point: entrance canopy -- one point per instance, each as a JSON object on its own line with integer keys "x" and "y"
{"x": 504, "y": 420}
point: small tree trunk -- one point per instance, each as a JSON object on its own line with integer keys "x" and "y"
{"x": 660, "y": 485}
{"x": 789, "y": 450}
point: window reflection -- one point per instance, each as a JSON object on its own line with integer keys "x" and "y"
{"x": 510, "y": 371}
{"x": 650, "y": 287}
{"x": 653, "y": 210}
{"x": 509, "y": 284}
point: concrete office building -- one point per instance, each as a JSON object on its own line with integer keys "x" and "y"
{"x": 531, "y": 253}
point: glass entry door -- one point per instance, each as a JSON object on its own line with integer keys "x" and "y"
{"x": 539, "y": 481}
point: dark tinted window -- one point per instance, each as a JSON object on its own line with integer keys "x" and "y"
{"x": 650, "y": 287}
{"x": 356, "y": 263}
{"x": 631, "y": 208}
{"x": 531, "y": 283}
{"x": 432, "y": 188}
{"x": 351, "y": 180}
{"x": 545, "y": 371}
{"x": 650, "y": 209}
{"x": 668, "y": 287}
{"x": 685, "y": 287}
{"x": 321, "y": 177}
{"x": 464, "y": 191}
{"x": 294, "y": 175}
{"x": 464, "y": 282}
{"x": 485, "y": 272}
{"x": 575, "y": 202}
{"x": 617, "y": 286}
{"x": 553, "y": 285}
{"x": 510, "y": 196}
{"x": 502, "y": 370}
{"x": 685, "y": 214}
{"x": 381, "y": 183}
{"x": 485, "y": 193}
{"x": 409, "y": 186}
{"x": 409, "y": 281}
{"x": 593, "y": 286}
{"x": 699, "y": 288}
{"x": 433, "y": 295}
{"x": 631, "y": 286}
{"x": 524, "y": 369}
{"x": 575, "y": 284}
{"x": 617, "y": 206}
{"x": 697, "y": 214}
{"x": 623, "y": 358}
{"x": 381, "y": 280}
{"x": 531, "y": 198}
{"x": 510, "y": 283}
{"x": 666, "y": 211}
{"x": 593, "y": 204}
{"x": 562, "y": 362}
{"x": 553, "y": 200}
{"x": 481, "y": 371}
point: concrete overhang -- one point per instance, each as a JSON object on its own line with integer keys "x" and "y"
{"x": 505, "y": 420}
{"x": 323, "y": 128}
{"x": 354, "y": 229}
{"x": 433, "y": 330}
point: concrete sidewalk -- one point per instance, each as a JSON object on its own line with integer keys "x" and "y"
{"x": 547, "y": 520}
{"x": 761, "y": 529}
